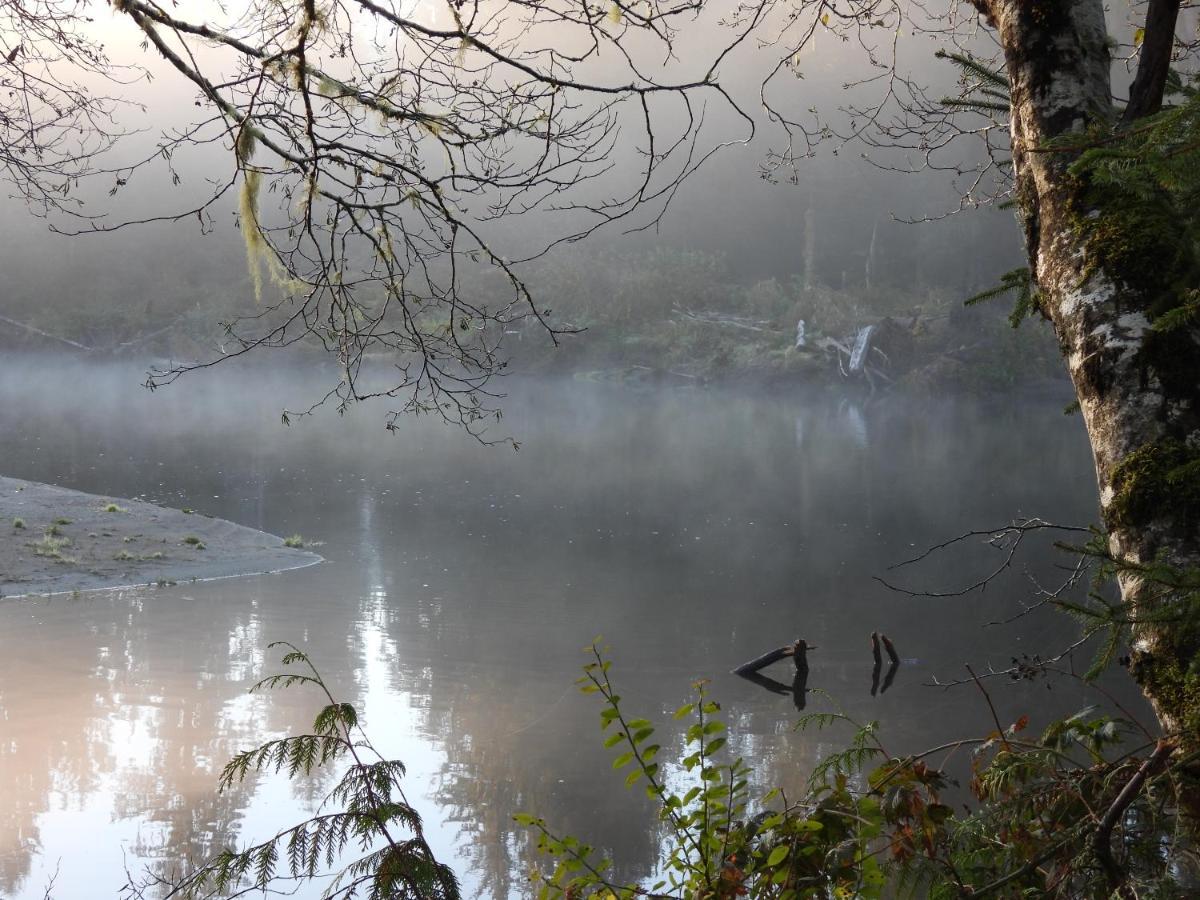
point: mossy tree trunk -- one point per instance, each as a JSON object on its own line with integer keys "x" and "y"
{"x": 1103, "y": 269}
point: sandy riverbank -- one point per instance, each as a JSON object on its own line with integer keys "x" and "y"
{"x": 55, "y": 540}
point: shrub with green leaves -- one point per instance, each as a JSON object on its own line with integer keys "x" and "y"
{"x": 1077, "y": 812}
{"x": 722, "y": 841}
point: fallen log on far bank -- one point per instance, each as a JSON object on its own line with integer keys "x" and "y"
{"x": 45, "y": 334}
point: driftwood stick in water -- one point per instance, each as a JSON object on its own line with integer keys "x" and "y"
{"x": 875, "y": 649}
{"x": 766, "y": 659}
{"x": 798, "y": 651}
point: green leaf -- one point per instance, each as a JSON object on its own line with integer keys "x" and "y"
{"x": 623, "y": 760}
{"x": 778, "y": 855}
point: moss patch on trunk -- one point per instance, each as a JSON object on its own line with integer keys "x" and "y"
{"x": 1157, "y": 481}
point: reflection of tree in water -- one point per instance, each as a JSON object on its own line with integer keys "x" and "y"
{"x": 501, "y": 764}
{"x": 144, "y": 699}
{"x": 43, "y": 749}
{"x": 510, "y": 739}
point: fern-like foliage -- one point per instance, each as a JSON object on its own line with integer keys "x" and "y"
{"x": 1019, "y": 284}
{"x": 366, "y": 839}
{"x": 984, "y": 90}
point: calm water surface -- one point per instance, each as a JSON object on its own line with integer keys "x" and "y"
{"x": 692, "y": 529}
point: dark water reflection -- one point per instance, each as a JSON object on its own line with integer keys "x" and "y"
{"x": 693, "y": 530}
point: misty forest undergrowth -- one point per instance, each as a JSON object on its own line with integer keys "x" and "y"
{"x": 1087, "y": 806}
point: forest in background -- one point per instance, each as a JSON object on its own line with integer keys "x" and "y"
{"x": 678, "y": 310}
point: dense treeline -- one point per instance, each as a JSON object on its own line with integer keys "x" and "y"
{"x": 627, "y": 312}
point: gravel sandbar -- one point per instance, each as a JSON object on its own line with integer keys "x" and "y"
{"x": 55, "y": 540}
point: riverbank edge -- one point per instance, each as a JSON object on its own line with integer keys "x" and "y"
{"x": 55, "y": 540}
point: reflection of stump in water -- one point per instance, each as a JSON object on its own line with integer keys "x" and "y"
{"x": 893, "y": 662}
{"x": 798, "y": 651}
{"x": 798, "y": 688}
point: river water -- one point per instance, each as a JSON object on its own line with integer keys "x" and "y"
{"x": 692, "y": 529}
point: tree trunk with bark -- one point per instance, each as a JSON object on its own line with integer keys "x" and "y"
{"x": 1102, "y": 269}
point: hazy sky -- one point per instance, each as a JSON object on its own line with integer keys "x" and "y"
{"x": 727, "y": 209}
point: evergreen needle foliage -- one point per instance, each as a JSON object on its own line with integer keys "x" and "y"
{"x": 1019, "y": 283}
{"x": 984, "y": 90}
{"x": 365, "y": 839}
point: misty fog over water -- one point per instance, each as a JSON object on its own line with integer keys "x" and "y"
{"x": 692, "y": 528}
